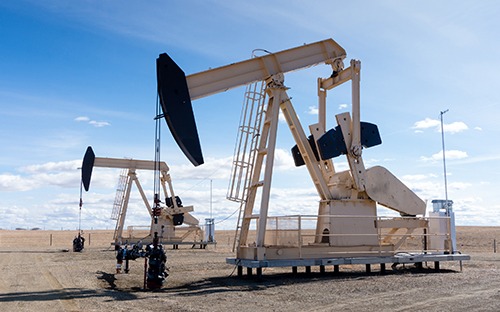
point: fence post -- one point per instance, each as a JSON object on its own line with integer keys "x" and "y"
{"x": 494, "y": 246}
{"x": 50, "y": 239}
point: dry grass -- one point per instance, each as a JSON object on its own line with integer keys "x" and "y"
{"x": 37, "y": 276}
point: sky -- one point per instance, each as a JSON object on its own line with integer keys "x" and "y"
{"x": 82, "y": 73}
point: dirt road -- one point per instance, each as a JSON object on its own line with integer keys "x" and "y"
{"x": 44, "y": 278}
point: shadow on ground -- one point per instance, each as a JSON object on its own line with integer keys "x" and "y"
{"x": 65, "y": 294}
{"x": 254, "y": 283}
{"x": 232, "y": 283}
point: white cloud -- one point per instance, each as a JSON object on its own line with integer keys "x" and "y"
{"x": 20, "y": 183}
{"x": 63, "y": 174}
{"x": 213, "y": 168}
{"x": 417, "y": 177}
{"x": 15, "y": 216}
{"x": 313, "y": 110}
{"x": 343, "y": 106}
{"x": 426, "y": 186}
{"x": 478, "y": 128}
{"x": 82, "y": 118}
{"x": 451, "y": 154}
{"x": 426, "y": 123}
{"x": 220, "y": 168}
{"x": 479, "y": 159}
{"x": 283, "y": 160}
{"x": 456, "y": 154}
{"x": 60, "y": 179}
{"x": 71, "y": 165}
{"x": 471, "y": 210}
{"x": 459, "y": 185}
{"x": 281, "y": 117}
{"x": 99, "y": 124}
{"x": 95, "y": 123}
{"x": 454, "y": 127}
{"x": 15, "y": 183}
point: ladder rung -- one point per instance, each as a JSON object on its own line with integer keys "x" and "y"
{"x": 253, "y": 216}
{"x": 258, "y": 184}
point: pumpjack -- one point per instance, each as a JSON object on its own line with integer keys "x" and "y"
{"x": 172, "y": 221}
{"x": 348, "y": 228}
{"x": 166, "y": 218}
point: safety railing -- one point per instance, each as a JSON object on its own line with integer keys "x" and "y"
{"x": 345, "y": 235}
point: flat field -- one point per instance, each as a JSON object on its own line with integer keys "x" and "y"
{"x": 38, "y": 274}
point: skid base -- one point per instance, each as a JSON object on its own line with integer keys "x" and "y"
{"x": 402, "y": 258}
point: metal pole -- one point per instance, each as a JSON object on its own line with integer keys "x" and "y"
{"x": 80, "y": 211}
{"x": 444, "y": 161}
{"x": 210, "y": 198}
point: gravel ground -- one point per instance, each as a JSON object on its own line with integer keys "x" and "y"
{"x": 37, "y": 276}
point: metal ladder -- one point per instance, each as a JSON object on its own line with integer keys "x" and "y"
{"x": 246, "y": 148}
{"x": 120, "y": 194}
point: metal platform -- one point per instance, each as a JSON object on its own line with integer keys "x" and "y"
{"x": 174, "y": 244}
{"x": 401, "y": 258}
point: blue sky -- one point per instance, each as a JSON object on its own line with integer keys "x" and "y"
{"x": 79, "y": 73}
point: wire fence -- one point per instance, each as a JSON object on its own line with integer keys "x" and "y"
{"x": 56, "y": 239}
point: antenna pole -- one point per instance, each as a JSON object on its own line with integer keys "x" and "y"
{"x": 210, "y": 198}
{"x": 444, "y": 159}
